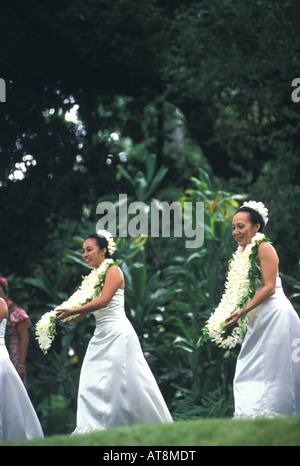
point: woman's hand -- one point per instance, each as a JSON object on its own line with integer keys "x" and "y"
{"x": 234, "y": 317}
{"x": 64, "y": 313}
{"x": 74, "y": 313}
{"x": 21, "y": 370}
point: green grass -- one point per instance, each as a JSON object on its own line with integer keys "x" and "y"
{"x": 201, "y": 432}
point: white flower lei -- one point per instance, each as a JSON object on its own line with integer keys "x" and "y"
{"x": 236, "y": 286}
{"x": 88, "y": 290}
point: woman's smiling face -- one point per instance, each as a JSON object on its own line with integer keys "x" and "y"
{"x": 91, "y": 253}
{"x": 242, "y": 228}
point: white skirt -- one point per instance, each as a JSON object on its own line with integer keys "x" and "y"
{"x": 117, "y": 387}
{"x": 267, "y": 377}
{"x": 18, "y": 419}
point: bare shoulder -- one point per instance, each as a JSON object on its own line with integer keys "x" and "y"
{"x": 115, "y": 270}
{"x": 266, "y": 247}
{"x": 115, "y": 273}
{"x": 267, "y": 251}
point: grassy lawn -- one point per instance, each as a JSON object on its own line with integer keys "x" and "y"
{"x": 201, "y": 432}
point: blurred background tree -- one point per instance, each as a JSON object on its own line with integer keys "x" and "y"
{"x": 101, "y": 98}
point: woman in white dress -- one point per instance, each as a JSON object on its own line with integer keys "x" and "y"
{"x": 18, "y": 420}
{"x": 116, "y": 387}
{"x": 267, "y": 376}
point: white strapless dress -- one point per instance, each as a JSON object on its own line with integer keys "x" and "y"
{"x": 18, "y": 420}
{"x": 267, "y": 377}
{"x": 117, "y": 387}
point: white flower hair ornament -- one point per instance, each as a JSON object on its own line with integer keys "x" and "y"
{"x": 259, "y": 207}
{"x": 108, "y": 236}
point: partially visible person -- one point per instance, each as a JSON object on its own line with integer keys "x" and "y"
{"x": 17, "y": 331}
{"x": 18, "y": 419}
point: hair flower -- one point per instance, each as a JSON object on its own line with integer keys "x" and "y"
{"x": 259, "y": 207}
{"x": 108, "y": 236}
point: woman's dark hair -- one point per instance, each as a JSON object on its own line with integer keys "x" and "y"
{"x": 101, "y": 242}
{"x": 255, "y": 217}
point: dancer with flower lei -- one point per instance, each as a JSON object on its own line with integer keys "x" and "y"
{"x": 89, "y": 289}
{"x": 240, "y": 287}
{"x": 116, "y": 387}
{"x": 255, "y": 308}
